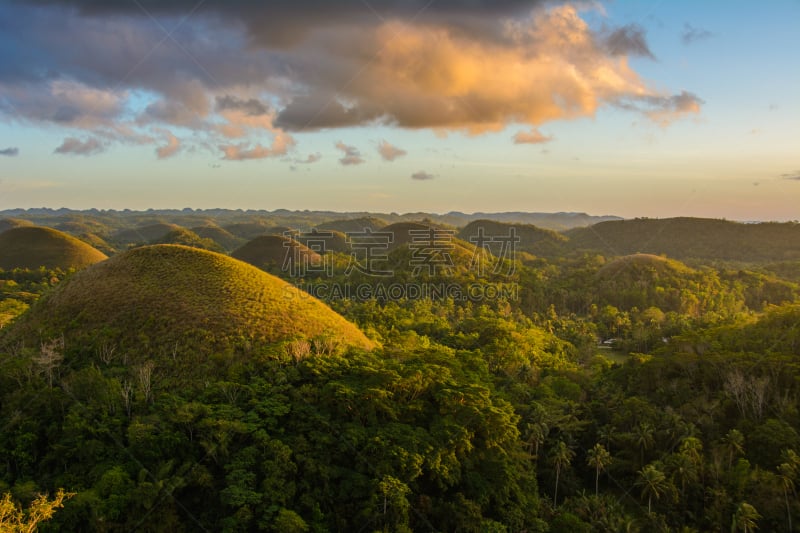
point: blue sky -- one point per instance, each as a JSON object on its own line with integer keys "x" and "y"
{"x": 631, "y": 117}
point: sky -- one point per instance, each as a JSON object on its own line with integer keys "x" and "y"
{"x": 629, "y": 108}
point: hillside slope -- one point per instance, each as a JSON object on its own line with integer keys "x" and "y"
{"x": 692, "y": 238}
{"x": 33, "y": 247}
{"x": 167, "y": 297}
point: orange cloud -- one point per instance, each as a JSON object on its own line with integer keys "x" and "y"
{"x": 546, "y": 67}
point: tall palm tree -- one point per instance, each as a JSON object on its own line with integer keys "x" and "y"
{"x": 692, "y": 447}
{"x": 682, "y": 471}
{"x": 643, "y": 437}
{"x": 561, "y": 457}
{"x": 653, "y": 483}
{"x": 745, "y": 518}
{"x": 598, "y": 458}
{"x": 787, "y": 473}
{"x": 734, "y": 444}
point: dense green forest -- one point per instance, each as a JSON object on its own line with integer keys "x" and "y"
{"x": 577, "y": 390}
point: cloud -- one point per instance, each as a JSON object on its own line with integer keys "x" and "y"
{"x": 64, "y": 103}
{"x": 691, "y": 35}
{"x": 237, "y": 70}
{"x": 352, "y": 155}
{"x": 668, "y": 109}
{"x": 390, "y": 152}
{"x": 241, "y": 152}
{"x": 794, "y": 176}
{"x": 663, "y": 110}
{"x": 251, "y": 107}
{"x": 311, "y": 159}
{"x": 629, "y": 39}
{"x": 422, "y": 176}
{"x": 172, "y": 147}
{"x": 9, "y": 152}
{"x": 533, "y": 136}
{"x": 74, "y": 146}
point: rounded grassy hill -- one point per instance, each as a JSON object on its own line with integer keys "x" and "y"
{"x": 273, "y": 251}
{"x": 177, "y": 299}
{"x": 143, "y": 234}
{"x": 11, "y": 223}
{"x": 531, "y": 239}
{"x": 224, "y": 238}
{"x": 643, "y": 265}
{"x": 33, "y": 247}
{"x": 354, "y": 225}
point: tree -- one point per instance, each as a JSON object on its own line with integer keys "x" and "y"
{"x": 561, "y": 457}
{"x": 787, "y": 473}
{"x": 598, "y": 458}
{"x": 643, "y": 438}
{"x": 14, "y": 519}
{"x": 734, "y": 444}
{"x": 653, "y": 483}
{"x": 745, "y": 518}
{"x": 50, "y": 357}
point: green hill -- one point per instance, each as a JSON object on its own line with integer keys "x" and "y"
{"x": 404, "y": 232}
{"x": 692, "y": 238}
{"x": 248, "y": 230}
{"x": 224, "y": 238}
{"x": 641, "y": 266}
{"x": 330, "y": 240}
{"x": 354, "y": 225}
{"x": 11, "y": 223}
{"x": 644, "y": 280}
{"x": 143, "y": 234}
{"x": 187, "y": 237}
{"x": 34, "y": 247}
{"x": 82, "y": 226}
{"x": 168, "y": 298}
{"x": 273, "y": 251}
{"x": 532, "y": 239}
{"x": 96, "y": 241}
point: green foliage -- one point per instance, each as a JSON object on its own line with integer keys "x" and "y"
{"x": 174, "y": 389}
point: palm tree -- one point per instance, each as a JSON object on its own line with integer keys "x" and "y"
{"x": 734, "y": 444}
{"x": 745, "y": 518}
{"x": 598, "y": 458}
{"x": 692, "y": 447}
{"x": 561, "y": 457}
{"x": 643, "y": 438}
{"x": 682, "y": 471}
{"x": 536, "y": 435}
{"x": 653, "y": 483}
{"x": 787, "y": 473}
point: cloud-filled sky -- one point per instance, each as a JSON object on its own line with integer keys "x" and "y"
{"x": 624, "y": 107}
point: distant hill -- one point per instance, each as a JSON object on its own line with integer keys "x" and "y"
{"x": 404, "y": 232}
{"x": 175, "y": 299}
{"x": 324, "y": 241}
{"x": 96, "y": 241}
{"x": 692, "y": 238}
{"x": 271, "y": 252}
{"x": 552, "y": 221}
{"x": 532, "y": 239}
{"x": 224, "y": 238}
{"x": 248, "y": 230}
{"x": 33, "y": 247}
{"x": 641, "y": 266}
{"x": 143, "y": 234}
{"x": 187, "y": 237}
{"x": 644, "y": 280}
{"x": 354, "y": 225}
{"x": 11, "y": 223}
{"x": 82, "y": 225}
